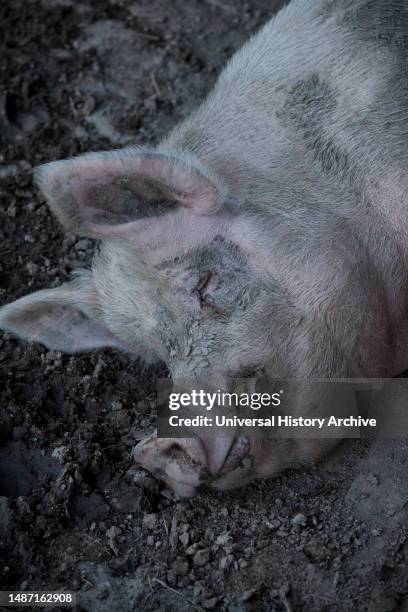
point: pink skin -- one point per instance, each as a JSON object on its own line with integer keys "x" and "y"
{"x": 306, "y": 177}
{"x": 218, "y": 462}
{"x": 181, "y": 463}
{"x": 68, "y": 319}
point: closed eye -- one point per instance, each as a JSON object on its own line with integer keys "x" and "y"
{"x": 208, "y": 284}
{"x": 202, "y": 287}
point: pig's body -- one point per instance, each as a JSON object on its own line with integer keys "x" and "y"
{"x": 267, "y": 231}
{"x": 307, "y": 126}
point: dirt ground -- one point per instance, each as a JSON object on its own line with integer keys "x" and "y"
{"x": 75, "y": 512}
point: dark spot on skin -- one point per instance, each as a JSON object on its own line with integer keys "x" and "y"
{"x": 311, "y": 93}
{"x": 309, "y": 107}
{"x": 178, "y": 454}
{"x": 380, "y": 21}
{"x": 333, "y": 160}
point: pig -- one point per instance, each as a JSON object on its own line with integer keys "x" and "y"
{"x": 268, "y": 232}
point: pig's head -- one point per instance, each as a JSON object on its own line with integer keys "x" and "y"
{"x": 172, "y": 281}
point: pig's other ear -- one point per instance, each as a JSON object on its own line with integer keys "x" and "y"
{"x": 63, "y": 319}
{"x": 115, "y": 193}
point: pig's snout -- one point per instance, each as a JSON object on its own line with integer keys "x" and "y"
{"x": 181, "y": 463}
{"x": 186, "y": 464}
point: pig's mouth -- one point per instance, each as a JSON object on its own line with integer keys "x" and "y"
{"x": 237, "y": 468}
{"x": 239, "y": 451}
{"x": 224, "y": 454}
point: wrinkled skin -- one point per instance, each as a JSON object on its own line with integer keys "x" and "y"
{"x": 267, "y": 233}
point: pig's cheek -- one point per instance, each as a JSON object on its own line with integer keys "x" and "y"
{"x": 267, "y": 458}
{"x": 313, "y": 451}
{"x": 238, "y": 477}
{"x": 272, "y": 457}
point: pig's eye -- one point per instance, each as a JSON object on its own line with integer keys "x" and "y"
{"x": 208, "y": 283}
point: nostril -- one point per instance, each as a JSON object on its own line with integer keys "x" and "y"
{"x": 174, "y": 451}
{"x": 188, "y": 453}
{"x": 238, "y": 452}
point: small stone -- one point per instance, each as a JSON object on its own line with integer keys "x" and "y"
{"x": 223, "y": 539}
{"x": 178, "y": 517}
{"x": 226, "y": 562}
{"x": 274, "y": 524}
{"x": 181, "y": 567}
{"x": 112, "y": 533}
{"x": 299, "y": 519}
{"x": 89, "y": 105}
{"x": 32, "y": 268}
{"x": 150, "y": 521}
{"x": 197, "y": 589}
{"x": 11, "y": 210}
{"x": 184, "y": 538}
{"x": 201, "y": 557}
{"x": 209, "y": 604}
{"x": 246, "y": 595}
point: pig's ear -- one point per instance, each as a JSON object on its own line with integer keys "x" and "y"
{"x": 63, "y": 319}
{"x": 115, "y": 193}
